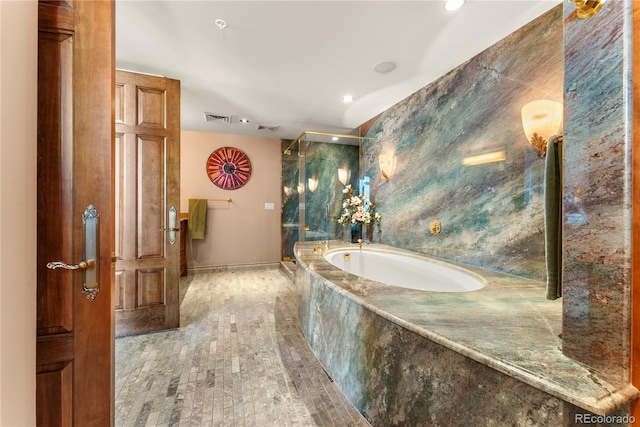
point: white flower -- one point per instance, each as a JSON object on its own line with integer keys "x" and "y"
{"x": 357, "y": 209}
{"x": 355, "y": 201}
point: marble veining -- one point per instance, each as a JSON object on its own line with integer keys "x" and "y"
{"x": 319, "y": 161}
{"x": 507, "y": 326}
{"x": 322, "y": 206}
{"x": 491, "y": 213}
{"x": 597, "y": 195}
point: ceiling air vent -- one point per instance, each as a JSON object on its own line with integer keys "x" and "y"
{"x": 271, "y": 128}
{"x": 211, "y": 117}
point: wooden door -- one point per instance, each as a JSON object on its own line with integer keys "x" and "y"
{"x": 147, "y": 179}
{"x": 75, "y": 333}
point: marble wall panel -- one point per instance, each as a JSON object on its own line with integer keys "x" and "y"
{"x": 322, "y": 207}
{"x": 491, "y": 214}
{"x": 597, "y": 180}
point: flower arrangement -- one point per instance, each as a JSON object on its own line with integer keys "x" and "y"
{"x": 357, "y": 209}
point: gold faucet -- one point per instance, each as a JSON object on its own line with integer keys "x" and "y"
{"x": 360, "y": 243}
{"x": 318, "y": 247}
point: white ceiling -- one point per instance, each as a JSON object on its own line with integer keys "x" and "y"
{"x": 288, "y": 63}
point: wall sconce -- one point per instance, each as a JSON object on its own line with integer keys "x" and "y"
{"x": 587, "y": 8}
{"x": 313, "y": 184}
{"x": 344, "y": 175}
{"x": 387, "y": 162}
{"x": 541, "y": 120}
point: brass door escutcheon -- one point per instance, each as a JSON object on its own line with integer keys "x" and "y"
{"x": 90, "y": 245}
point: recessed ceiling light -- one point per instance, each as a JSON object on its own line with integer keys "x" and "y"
{"x": 347, "y": 98}
{"x": 451, "y": 5}
{"x": 334, "y": 138}
{"x": 384, "y": 67}
{"x": 221, "y": 23}
{"x": 244, "y": 120}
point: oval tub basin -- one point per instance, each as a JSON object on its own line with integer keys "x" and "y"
{"x": 404, "y": 271}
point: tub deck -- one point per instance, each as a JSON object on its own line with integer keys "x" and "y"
{"x": 508, "y": 325}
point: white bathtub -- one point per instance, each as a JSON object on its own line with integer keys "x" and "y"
{"x": 405, "y": 271}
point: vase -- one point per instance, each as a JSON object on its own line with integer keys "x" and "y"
{"x": 356, "y": 232}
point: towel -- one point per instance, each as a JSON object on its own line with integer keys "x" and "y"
{"x": 553, "y": 216}
{"x": 197, "y": 218}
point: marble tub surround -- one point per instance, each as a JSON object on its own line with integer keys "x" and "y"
{"x": 492, "y": 214}
{"x": 376, "y": 340}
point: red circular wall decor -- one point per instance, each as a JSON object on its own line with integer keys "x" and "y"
{"x": 228, "y": 168}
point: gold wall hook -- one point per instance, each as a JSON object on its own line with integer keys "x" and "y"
{"x": 587, "y": 8}
{"x": 435, "y": 227}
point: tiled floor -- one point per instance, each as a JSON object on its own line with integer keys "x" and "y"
{"x": 238, "y": 359}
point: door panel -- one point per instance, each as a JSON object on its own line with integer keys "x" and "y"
{"x": 55, "y": 311}
{"x": 147, "y": 186}
{"x": 151, "y": 204}
{"x": 74, "y": 337}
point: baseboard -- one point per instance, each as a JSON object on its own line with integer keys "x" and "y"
{"x": 204, "y": 269}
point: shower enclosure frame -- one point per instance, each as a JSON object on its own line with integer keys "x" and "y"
{"x": 327, "y": 180}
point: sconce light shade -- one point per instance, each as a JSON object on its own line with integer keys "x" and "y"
{"x": 313, "y": 184}
{"x": 344, "y": 175}
{"x": 387, "y": 162}
{"x": 541, "y": 120}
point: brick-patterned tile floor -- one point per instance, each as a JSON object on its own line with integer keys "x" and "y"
{"x": 238, "y": 359}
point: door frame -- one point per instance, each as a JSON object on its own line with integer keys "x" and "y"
{"x": 635, "y": 209}
{"x": 18, "y": 77}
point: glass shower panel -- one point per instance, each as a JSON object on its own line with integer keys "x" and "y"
{"x": 315, "y": 169}
{"x": 328, "y": 167}
{"x": 290, "y": 199}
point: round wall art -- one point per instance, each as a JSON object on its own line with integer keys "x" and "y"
{"x": 228, "y": 168}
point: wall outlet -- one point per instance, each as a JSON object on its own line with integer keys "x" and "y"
{"x": 269, "y": 206}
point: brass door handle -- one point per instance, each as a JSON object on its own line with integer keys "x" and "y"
{"x": 82, "y": 264}
{"x": 90, "y": 242}
{"x": 173, "y": 225}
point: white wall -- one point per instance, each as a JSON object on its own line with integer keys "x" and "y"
{"x": 18, "y": 89}
{"x": 240, "y": 232}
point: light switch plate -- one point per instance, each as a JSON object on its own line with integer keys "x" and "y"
{"x": 269, "y": 206}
